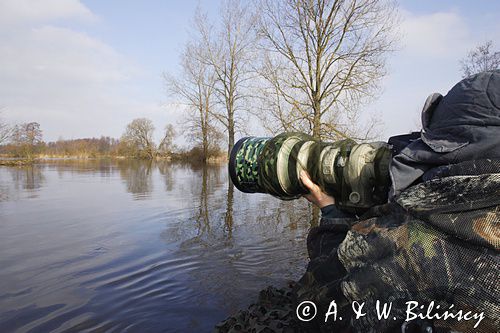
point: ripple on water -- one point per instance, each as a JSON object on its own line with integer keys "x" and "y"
{"x": 130, "y": 247}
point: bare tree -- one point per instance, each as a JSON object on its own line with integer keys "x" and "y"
{"x": 323, "y": 60}
{"x": 196, "y": 87}
{"x": 230, "y": 52}
{"x": 167, "y": 142}
{"x": 27, "y": 138}
{"x": 5, "y": 131}
{"x": 480, "y": 59}
{"x": 138, "y": 138}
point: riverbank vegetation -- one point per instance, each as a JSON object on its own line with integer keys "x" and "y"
{"x": 23, "y": 143}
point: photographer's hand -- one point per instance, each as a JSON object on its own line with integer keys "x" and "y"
{"x": 316, "y": 194}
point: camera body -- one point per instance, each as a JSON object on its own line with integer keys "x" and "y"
{"x": 357, "y": 175}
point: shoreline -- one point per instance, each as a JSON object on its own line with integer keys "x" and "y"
{"x": 16, "y": 162}
{"x": 19, "y": 162}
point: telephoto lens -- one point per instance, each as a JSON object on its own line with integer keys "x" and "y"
{"x": 357, "y": 175}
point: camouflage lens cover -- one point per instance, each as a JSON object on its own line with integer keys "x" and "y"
{"x": 277, "y": 159}
{"x": 243, "y": 164}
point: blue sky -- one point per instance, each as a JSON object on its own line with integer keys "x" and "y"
{"x": 87, "y": 68}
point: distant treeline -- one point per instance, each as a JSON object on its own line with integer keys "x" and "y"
{"x": 88, "y": 147}
{"x": 98, "y": 147}
{"x": 25, "y": 141}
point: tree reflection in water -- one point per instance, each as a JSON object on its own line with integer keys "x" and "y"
{"x": 241, "y": 242}
{"x": 202, "y": 217}
{"x": 166, "y": 170}
{"x": 228, "y": 218}
{"x": 210, "y": 203}
{"x": 28, "y": 178}
{"x": 137, "y": 177}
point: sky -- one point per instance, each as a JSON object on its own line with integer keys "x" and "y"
{"x": 87, "y": 68}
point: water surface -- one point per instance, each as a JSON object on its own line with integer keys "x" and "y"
{"x": 129, "y": 246}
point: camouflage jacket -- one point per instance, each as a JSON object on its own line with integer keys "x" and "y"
{"x": 437, "y": 244}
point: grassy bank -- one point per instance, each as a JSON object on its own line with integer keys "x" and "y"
{"x": 15, "y": 162}
{"x": 6, "y": 160}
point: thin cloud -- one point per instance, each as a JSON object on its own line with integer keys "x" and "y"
{"x": 435, "y": 35}
{"x": 29, "y": 11}
{"x": 75, "y": 85}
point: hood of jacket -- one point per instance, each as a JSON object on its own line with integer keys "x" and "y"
{"x": 463, "y": 125}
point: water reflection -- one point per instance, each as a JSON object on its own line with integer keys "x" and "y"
{"x": 137, "y": 176}
{"x": 207, "y": 201}
{"x": 166, "y": 170}
{"x": 28, "y": 178}
{"x": 4, "y": 193}
{"x": 138, "y": 246}
{"x": 228, "y": 218}
{"x": 102, "y": 167}
{"x": 202, "y": 215}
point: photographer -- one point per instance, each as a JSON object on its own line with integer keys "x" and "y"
{"x": 430, "y": 253}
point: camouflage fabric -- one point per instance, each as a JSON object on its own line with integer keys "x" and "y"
{"x": 268, "y": 161}
{"x": 438, "y": 243}
{"x": 272, "y": 313}
{"x": 246, "y": 167}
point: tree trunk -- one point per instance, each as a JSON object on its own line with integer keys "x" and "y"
{"x": 230, "y": 132}
{"x": 204, "y": 130}
{"x": 317, "y": 118}
{"x": 205, "y": 146}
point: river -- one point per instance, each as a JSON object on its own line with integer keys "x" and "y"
{"x": 133, "y": 246}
